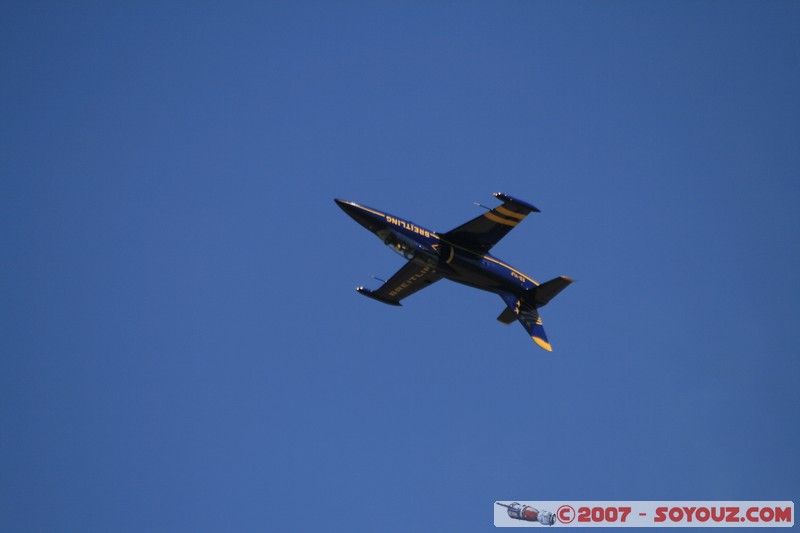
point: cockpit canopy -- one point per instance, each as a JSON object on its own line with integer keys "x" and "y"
{"x": 398, "y": 244}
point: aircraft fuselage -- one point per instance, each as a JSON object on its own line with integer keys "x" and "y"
{"x": 427, "y": 247}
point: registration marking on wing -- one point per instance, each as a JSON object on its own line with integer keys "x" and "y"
{"x": 410, "y": 281}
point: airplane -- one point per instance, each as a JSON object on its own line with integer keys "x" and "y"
{"x": 461, "y": 255}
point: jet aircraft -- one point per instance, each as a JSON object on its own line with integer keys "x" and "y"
{"x": 461, "y": 255}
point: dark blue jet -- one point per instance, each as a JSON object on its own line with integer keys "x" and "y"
{"x": 461, "y": 255}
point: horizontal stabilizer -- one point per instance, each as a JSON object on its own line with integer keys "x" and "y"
{"x": 547, "y": 291}
{"x": 507, "y": 316}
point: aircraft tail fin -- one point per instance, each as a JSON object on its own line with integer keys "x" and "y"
{"x": 528, "y": 316}
{"x": 526, "y": 309}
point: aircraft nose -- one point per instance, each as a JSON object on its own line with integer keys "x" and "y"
{"x": 357, "y": 213}
{"x": 346, "y": 206}
{"x": 349, "y": 208}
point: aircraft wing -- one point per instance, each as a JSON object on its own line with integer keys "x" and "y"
{"x": 408, "y": 280}
{"x": 481, "y": 233}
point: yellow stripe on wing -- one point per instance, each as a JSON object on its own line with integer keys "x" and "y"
{"x": 509, "y": 213}
{"x": 495, "y": 218}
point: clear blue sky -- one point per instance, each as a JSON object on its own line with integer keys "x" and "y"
{"x": 181, "y": 347}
